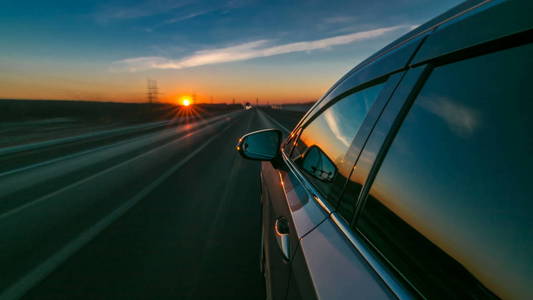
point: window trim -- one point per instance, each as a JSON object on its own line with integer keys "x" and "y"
{"x": 315, "y": 194}
{"x": 358, "y": 144}
{"x": 501, "y": 44}
{"x": 360, "y": 87}
{"x": 397, "y": 121}
{"x": 380, "y": 268}
{"x": 494, "y": 46}
{"x": 384, "y": 272}
{"x": 389, "y": 82}
{"x": 296, "y": 131}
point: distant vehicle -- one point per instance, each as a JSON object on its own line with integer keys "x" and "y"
{"x": 247, "y": 106}
{"x": 411, "y": 177}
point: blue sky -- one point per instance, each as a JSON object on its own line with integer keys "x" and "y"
{"x": 276, "y": 50}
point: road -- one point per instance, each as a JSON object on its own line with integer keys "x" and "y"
{"x": 167, "y": 213}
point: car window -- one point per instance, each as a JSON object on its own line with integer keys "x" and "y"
{"x": 291, "y": 140}
{"x": 323, "y": 144}
{"x": 450, "y": 207}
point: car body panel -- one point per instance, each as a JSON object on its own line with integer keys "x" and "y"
{"x": 384, "y": 65}
{"x": 314, "y": 266}
{"x": 333, "y": 268}
{"x": 285, "y": 198}
{"x": 276, "y": 268}
{"x": 292, "y": 197}
{"x": 488, "y": 22}
{"x": 328, "y": 259}
{"x": 306, "y": 213}
{"x": 380, "y": 133}
{"x": 482, "y": 185}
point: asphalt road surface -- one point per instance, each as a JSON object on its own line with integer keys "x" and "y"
{"x": 166, "y": 213}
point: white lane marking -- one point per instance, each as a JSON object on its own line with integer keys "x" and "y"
{"x": 51, "y": 161}
{"x": 18, "y": 209}
{"x": 223, "y": 198}
{"x": 275, "y": 122}
{"x": 23, "y": 285}
{"x": 68, "y": 156}
{"x": 110, "y": 132}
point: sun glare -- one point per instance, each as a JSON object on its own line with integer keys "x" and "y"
{"x": 185, "y": 101}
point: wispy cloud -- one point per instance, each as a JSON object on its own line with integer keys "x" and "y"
{"x": 179, "y": 10}
{"x": 339, "y": 20}
{"x": 244, "y": 51}
{"x": 333, "y": 124}
{"x": 187, "y": 16}
{"x": 460, "y": 119}
{"x": 140, "y": 10}
{"x": 179, "y": 18}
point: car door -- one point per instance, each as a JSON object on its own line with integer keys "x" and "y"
{"x": 282, "y": 192}
{"x": 442, "y": 209}
{"x": 445, "y": 203}
{"x": 331, "y": 261}
{"x": 323, "y": 157}
{"x": 291, "y": 205}
{"x": 448, "y": 174}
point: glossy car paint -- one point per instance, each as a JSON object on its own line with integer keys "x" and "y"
{"x": 328, "y": 260}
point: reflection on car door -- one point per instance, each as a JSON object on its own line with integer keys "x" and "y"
{"x": 321, "y": 162}
{"x": 287, "y": 216}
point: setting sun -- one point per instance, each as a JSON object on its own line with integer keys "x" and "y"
{"x": 185, "y": 101}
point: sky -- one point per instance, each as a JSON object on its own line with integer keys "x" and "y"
{"x": 277, "y": 51}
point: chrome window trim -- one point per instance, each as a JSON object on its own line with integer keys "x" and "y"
{"x": 372, "y": 259}
{"x": 309, "y": 187}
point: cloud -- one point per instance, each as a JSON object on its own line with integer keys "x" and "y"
{"x": 459, "y": 118}
{"x": 244, "y": 51}
{"x": 179, "y": 18}
{"x": 187, "y": 16}
{"x": 339, "y": 20}
{"x": 140, "y": 10}
{"x": 179, "y": 10}
{"x": 333, "y": 125}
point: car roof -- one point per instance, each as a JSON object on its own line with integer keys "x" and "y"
{"x": 493, "y": 15}
{"x": 447, "y": 16}
{"x": 441, "y": 19}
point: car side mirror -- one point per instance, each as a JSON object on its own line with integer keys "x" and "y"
{"x": 260, "y": 145}
{"x": 317, "y": 164}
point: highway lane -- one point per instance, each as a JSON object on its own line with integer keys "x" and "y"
{"x": 19, "y": 156}
{"x": 31, "y": 232}
{"x": 284, "y": 118}
{"x": 24, "y": 184}
{"x": 164, "y": 216}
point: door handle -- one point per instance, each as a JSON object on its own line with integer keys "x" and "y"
{"x": 281, "y": 230}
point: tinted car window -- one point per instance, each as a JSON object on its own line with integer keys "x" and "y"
{"x": 450, "y": 207}
{"x": 323, "y": 144}
{"x": 291, "y": 141}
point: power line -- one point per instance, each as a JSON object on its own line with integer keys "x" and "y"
{"x": 153, "y": 91}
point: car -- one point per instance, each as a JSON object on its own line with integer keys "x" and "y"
{"x": 411, "y": 177}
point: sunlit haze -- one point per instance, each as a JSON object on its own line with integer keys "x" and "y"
{"x": 218, "y": 51}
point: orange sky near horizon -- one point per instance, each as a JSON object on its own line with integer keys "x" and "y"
{"x": 222, "y": 50}
{"x": 53, "y": 81}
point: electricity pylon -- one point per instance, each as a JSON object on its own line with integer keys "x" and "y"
{"x": 152, "y": 91}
